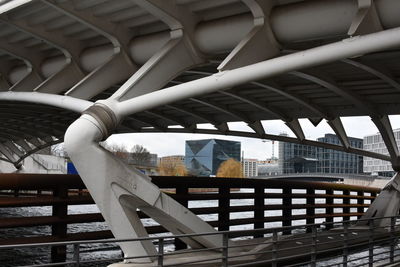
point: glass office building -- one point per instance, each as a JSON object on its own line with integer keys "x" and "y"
{"x": 297, "y": 158}
{"x": 332, "y": 161}
{"x": 203, "y": 157}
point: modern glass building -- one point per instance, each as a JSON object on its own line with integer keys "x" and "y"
{"x": 297, "y": 158}
{"x": 332, "y": 161}
{"x": 203, "y": 157}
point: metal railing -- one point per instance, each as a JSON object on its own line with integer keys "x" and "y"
{"x": 265, "y": 203}
{"x": 344, "y": 245}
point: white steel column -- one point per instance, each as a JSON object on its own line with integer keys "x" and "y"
{"x": 120, "y": 191}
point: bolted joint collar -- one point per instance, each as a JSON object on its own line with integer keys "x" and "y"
{"x": 105, "y": 117}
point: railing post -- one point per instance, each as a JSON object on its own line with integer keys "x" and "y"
{"x": 76, "y": 255}
{"x": 259, "y": 210}
{"x": 310, "y": 200}
{"x": 360, "y": 201}
{"x": 274, "y": 248}
{"x": 160, "y": 252}
{"x": 314, "y": 246}
{"x": 345, "y": 243}
{"x": 393, "y": 238}
{"x": 225, "y": 248}
{"x": 59, "y": 253}
{"x": 223, "y": 205}
{"x": 346, "y": 201}
{"x": 182, "y": 191}
{"x": 287, "y": 209}
{"x": 329, "y": 209}
{"x": 371, "y": 243}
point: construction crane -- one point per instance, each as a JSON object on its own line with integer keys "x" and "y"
{"x": 273, "y": 147}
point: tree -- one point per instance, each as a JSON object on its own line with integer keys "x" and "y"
{"x": 117, "y": 149}
{"x": 140, "y": 155}
{"x": 172, "y": 168}
{"x": 230, "y": 168}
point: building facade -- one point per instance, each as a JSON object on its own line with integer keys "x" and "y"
{"x": 203, "y": 157}
{"x": 174, "y": 159}
{"x": 332, "y": 161}
{"x": 249, "y": 167}
{"x": 298, "y": 158}
{"x": 374, "y": 143}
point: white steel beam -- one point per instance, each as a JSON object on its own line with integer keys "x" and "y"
{"x": 366, "y": 19}
{"x": 296, "y": 128}
{"x": 259, "y": 44}
{"x": 4, "y": 84}
{"x": 117, "y": 69}
{"x": 337, "y": 126}
{"x": 258, "y": 104}
{"x": 382, "y": 122}
{"x": 14, "y": 149}
{"x": 152, "y": 123}
{"x": 222, "y": 126}
{"x": 69, "y": 47}
{"x": 60, "y": 81}
{"x": 9, "y": 155}
{"x": 32, "y": 60}
{"x": 262, "y": 106}
{"x": 65, "y": 102}
{"x": 236, "y": 115}
{"x": 176, "y": 55}
{"x": 377, "y": 71}
{"x": 385, "y": 128}
{"x": 120, "y": 191}
{"x": 172, "y": 119}
{"x": 27, "y": 83}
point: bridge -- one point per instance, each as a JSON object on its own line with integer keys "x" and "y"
{"x": 79, "y": 71}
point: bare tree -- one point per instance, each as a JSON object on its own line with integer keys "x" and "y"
{"x": 114, "y": 147}
{"x": 140, "y": 155}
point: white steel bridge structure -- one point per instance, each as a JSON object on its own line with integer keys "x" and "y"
{"x": 98, "y": 67}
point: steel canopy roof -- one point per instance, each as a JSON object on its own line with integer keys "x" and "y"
{"x": 89, "y": 50}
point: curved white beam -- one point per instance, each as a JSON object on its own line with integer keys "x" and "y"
{"x": 221, "y": 81}
{"x": 65, "y": 102}
{"x": 377, "y": 71}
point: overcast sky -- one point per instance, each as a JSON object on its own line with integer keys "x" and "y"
{"x": 165, "y": 144}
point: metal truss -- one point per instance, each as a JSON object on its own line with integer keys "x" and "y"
{"x": 157, "y": 64}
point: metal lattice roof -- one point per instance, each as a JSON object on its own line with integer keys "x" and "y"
{"x": 119, "y": 49}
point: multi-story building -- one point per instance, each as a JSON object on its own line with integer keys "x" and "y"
{"x": 374, "y": 143}
{"x": 203, "y": 157}
{"x": 332, "y": 161}
{"x": 174, "y": 159}
{"x": 298, "y": 158}
{"x": 295, "y": 158}
{"x": 249, "y": 167}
